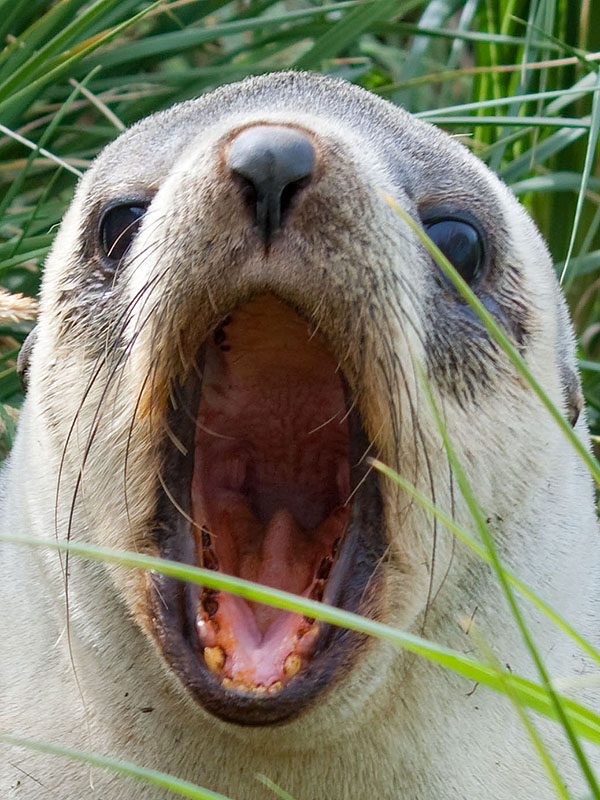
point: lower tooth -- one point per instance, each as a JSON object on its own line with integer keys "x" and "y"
{"x": 292, "y": 664}
{"x": 215, "y": 658}
{"x": 207, "y": 633}
{"x": 209, "y": 602}
{"x": 206, "y": 539}
{"x": 317, "y": 592}
{"x": 324, "y": 568}
{"x": 209, "y": 559}
{"x": 275, "y": 687}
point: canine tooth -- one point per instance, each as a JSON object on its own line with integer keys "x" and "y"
{"x": 219, "y": 336}
{"x": 206, "y": 538}
{"x": 215, "y": 658}
{"x": 209, "y": 602}
{"x": 292, "y": 664}
{"x": 209, "y": 558}
{"x": 324, "y": 568}
{"x": 317, "y": 592}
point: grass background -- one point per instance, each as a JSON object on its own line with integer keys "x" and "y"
{"x": 514, "y": 78}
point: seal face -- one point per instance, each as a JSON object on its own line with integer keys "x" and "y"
{"x": 234, "y": 319}
{"x": 256, "y": 403}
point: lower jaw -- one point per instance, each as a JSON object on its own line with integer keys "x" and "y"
{"x": 174, "y": 604}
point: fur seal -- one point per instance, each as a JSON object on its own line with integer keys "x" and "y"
{"x": 232, "y": 316}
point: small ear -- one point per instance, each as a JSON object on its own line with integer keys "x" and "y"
{"x": 572, "y": 393}
{"x": 567, "y": 363}
{"x": 24, "y": 358}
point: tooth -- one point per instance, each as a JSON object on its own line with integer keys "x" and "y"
{"x": 317, "y": 592}
{"x": 209, "y": 558}
{"x": 292, "y": 664}
{"x": 206, "y": 538}
{"x": 260, "y": 690}
{"x": 215, "y": 658}
{"x": 275, "y": 687}
{"x": 324, "y": 568}
{"x": 305, "y": 643}
{"x": 209, "y": 602}
{"x": 206, "y": 632}
{"x": 227, "y": 683}
{"x": 219, "y": 336}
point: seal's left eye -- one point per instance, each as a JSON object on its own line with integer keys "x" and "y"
{"x": 461, "y": 243}
{"x": 118, "y": 226}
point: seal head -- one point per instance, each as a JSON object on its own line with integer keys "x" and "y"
{"x": 242, "y": 321}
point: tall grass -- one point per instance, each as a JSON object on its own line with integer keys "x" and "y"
{"x": 517, "y": 80}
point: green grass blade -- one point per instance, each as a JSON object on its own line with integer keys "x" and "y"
{"x": 467, "y": 539}
{"x": 554, "y": 182}
{"x": 349, "y": 28}
{"x": 534, "y": 122}
{"x": 584, "y": 720}
{"x": 38, "y": 37}
{"x": 150, "y": 776}
{"x": 40, "y": 58}
{"x": 543, "y": 151}
{"x": 273, "y": 787}
{"x": 570, "y": 95}
{"x": 590, "y": 158}
{"x": 167, "y": 43}
{"x": 69, "y": 59}
{"x": 540, "y": 748}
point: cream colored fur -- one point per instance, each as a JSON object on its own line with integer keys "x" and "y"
{"x": 396, "y": 727}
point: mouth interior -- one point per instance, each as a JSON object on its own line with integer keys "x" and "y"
{"x": 270, "y": 488}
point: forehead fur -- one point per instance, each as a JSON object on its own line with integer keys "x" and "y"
{"x": 414, "y": 152}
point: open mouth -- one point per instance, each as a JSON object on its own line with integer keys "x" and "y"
{"x": 265, "y": 477}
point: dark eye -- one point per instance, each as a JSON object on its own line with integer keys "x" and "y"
{"x": 118, "y": 226}
{"x": 461, "y": 243}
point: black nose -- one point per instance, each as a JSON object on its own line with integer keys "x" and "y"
{"x": 275, "y": 163}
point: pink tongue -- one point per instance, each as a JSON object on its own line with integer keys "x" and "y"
{"x": 258, "y": 659}
{"x": 256, "y": 639}
{"x": 276, "y": 565}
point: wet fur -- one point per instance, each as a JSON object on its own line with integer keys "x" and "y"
{"x": 85, "y": 463}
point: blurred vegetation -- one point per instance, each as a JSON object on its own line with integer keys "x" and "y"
{"x": 518, "y": 79}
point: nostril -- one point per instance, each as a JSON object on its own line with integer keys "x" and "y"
{"x": 274, "y": 163}
{"x": 290, "y": 191}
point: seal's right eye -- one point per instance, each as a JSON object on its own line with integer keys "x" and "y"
{"x": 118, "y": 226}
